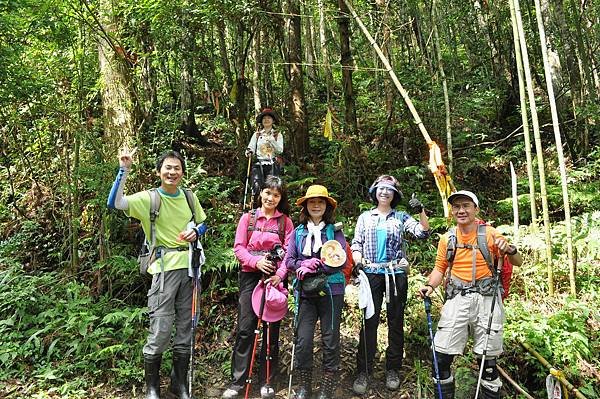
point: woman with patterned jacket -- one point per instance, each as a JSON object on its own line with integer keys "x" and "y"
{"x": 378, "y": 248}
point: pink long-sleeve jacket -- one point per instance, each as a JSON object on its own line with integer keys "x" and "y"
{"x": 262, "y": 239}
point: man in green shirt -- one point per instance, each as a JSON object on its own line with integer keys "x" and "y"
{"x": 170, "y": 295}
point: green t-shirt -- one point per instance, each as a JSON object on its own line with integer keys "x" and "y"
{"x": 174, "y": 216}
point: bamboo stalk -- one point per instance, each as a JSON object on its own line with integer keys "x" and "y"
{"x": 555, "y": 372}
{"x": 515, "y": 201}
{"x": 524, "y": 120}
{"x": 538, "y": 146}
{"x": 512, "y": 382}
{"x": 559, "y": 149}
{"x": 388, "y": 68}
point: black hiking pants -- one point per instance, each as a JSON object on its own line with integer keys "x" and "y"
{"x": 260, "y": 172}
{"x": 327, "y": 309}
{"x": 395, "y": 321}
{"x": 244, "y": 340}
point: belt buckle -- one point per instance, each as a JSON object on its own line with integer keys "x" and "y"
{"x": 468, "y": 290}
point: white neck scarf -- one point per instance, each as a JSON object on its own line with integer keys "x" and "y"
{"x": 313, "y": 231}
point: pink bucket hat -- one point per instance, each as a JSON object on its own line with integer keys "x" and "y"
{"x": 276, "y": 303}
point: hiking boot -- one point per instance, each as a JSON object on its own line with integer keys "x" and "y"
{"x": 267, "y": 391}
{"x": 392, "y": 380}
{"x": 327, "y": 385}
{"x": 447, "y": 389}
{"x": 179, "y": 376}
{"x": 304, "y": 384}
{"x": 489, "y": 394}
{"x": 232, "y": 392}
{"x": 360, "y": 383}
{"x": 152, "y": 375}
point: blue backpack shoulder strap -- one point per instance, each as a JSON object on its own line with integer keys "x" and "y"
{"x": 298, "y": 235}
{"x": 330, "y": 232}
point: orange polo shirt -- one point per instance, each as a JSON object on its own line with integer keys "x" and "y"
{"x": 462, "y": 267}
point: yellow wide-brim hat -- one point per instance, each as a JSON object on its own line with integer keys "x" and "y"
{"x": 316, "y": 191}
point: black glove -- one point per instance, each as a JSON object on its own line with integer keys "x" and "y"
{"x": 357, "y": 267}
{"x": 415, "y": 204}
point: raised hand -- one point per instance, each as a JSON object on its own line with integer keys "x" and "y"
{"x": 415, "y": 204}
{"x": 126, "y": 157}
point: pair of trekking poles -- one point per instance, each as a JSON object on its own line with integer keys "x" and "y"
{"x": 197, "y": 255}
{"x": 427, "y": 302}
{"x": 262, "y": 178}
{"x": 268, "y": 390}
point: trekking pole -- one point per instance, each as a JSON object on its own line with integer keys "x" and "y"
{"x": 427, "y": 302}
{"x": 196, "y": 290}
{"x": 247, "y": 180}
{"x": 489, "y": 326}
{"x": 256, "y": 333}
{"x": 296, "y": 311}
{"x": 269, "y": 392}
{"x": 364, "y": 316}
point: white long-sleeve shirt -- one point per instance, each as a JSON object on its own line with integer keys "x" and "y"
{"x": 266, "y": 145}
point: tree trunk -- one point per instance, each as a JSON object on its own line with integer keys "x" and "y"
{"x": 221, "y": 34}
{"x": 524, "y": 119}
{"x": 188, "y": 93}
{"x": 240, "y": 88}
{"x": 256, "y": 78}
{"x": 485, "y": 28}
{"x": 438, "y": 52}
{"x": 311, "y": 69}
{"x": 421, "y": 42}
{"x": 119, "y": 101}
{"x": 538, "y": 146}
{"x": 383, "y": 9}
{"x": 324, "y": 54}
{"x": 559, "y": 149}
{"x": 299, "y": 125}
{"x": 588, "y": 72}
{"x": 148, "y": 74}
{"x": 347, "y": 67}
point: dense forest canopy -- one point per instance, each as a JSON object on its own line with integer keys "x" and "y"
{"x": 362, "y": 88}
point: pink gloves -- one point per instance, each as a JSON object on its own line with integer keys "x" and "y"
{"x": 307, "y": 266}
{"x": 311, "y": 264}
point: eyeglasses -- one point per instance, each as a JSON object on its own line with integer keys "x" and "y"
{"x": 464, "y": 205}
{"x": 383, "y": 188}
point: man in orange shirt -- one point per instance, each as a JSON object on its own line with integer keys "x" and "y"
{"x": 469, "y": 294}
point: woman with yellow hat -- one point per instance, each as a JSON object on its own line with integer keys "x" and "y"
{"x": 316, "y": 255}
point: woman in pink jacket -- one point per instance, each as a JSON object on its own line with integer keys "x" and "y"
{"x": 258, "y": 235}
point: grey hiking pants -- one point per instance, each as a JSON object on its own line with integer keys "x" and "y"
{"x": 172, "y": 305}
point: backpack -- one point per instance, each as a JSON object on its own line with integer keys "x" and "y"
{"x": 507, "y": 267}
{"x": 147, "y": 251}
{"x": 280, "y": 226}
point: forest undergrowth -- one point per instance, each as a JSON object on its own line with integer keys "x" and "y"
{"x": 80, "y": 335}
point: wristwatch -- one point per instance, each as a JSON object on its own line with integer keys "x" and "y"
{"x": 513, "y": 252}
